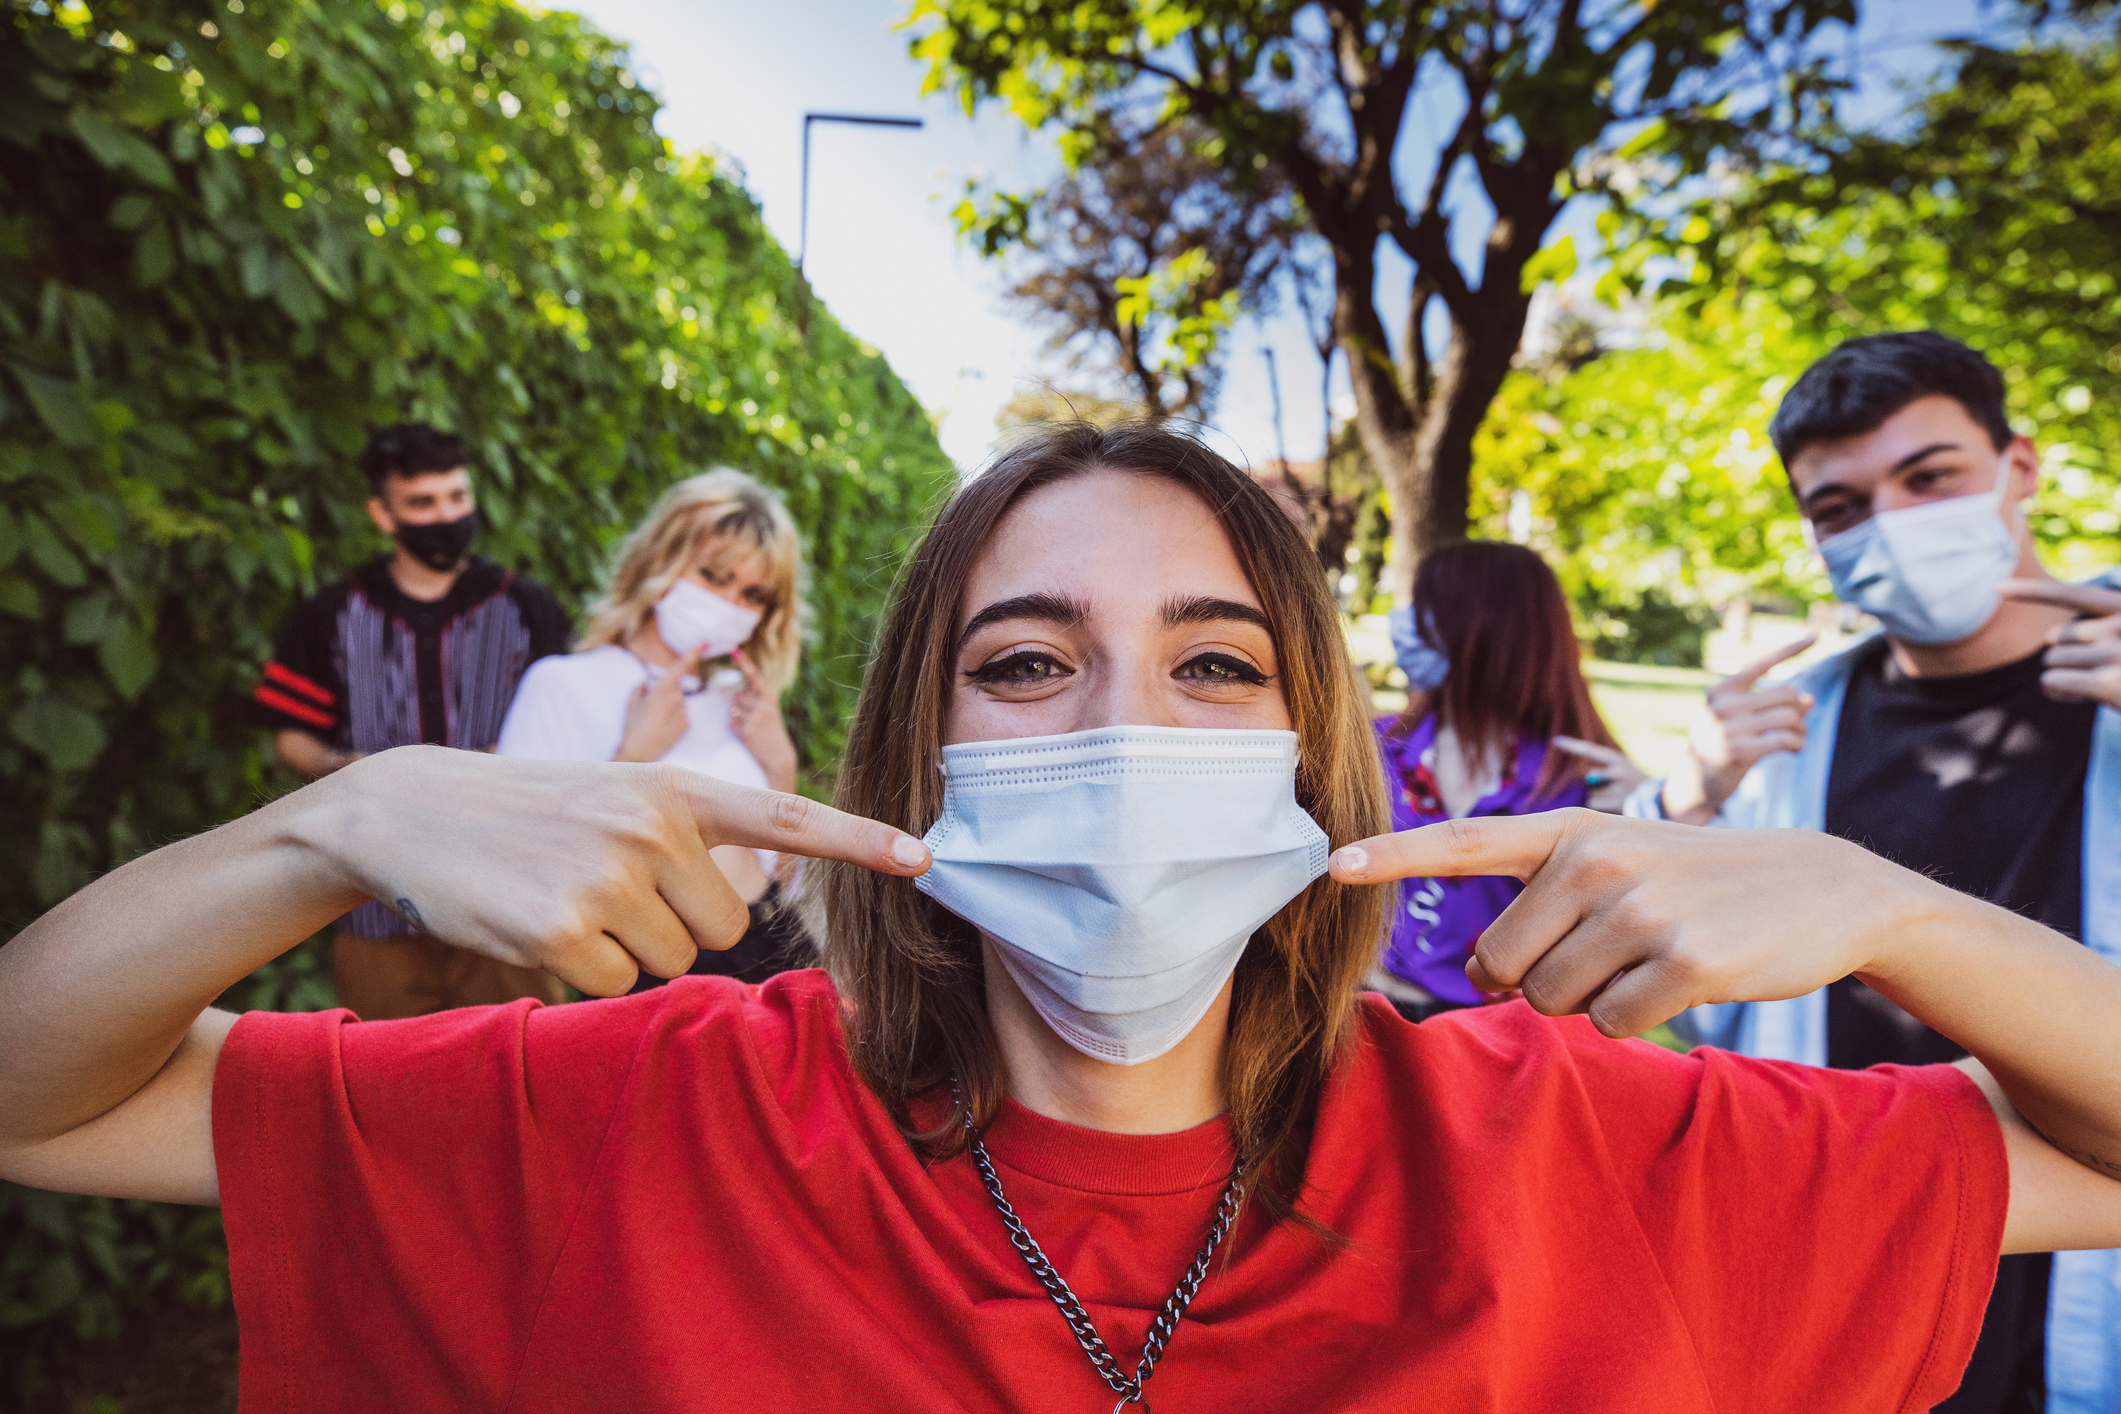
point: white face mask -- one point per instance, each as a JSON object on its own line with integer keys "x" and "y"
{"x": 689, "y": 615}
{"x": 1120, "y": 872}
{"x": 1928, "y": 573}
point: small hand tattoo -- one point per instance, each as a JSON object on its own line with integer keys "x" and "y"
{"x": 410, "y": 914}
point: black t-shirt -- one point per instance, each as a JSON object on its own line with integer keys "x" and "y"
{"x": 1977, "y": 781}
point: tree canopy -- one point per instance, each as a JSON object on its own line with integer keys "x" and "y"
{"x": 1319, "y": 93}
{"x": 1139, "y": 263}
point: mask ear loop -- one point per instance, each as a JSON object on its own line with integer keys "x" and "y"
{"x": 2019, "y": 518}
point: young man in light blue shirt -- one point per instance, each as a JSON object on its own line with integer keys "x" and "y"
{"x": 1977, "y": 737}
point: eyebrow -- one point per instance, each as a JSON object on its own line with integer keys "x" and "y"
{"x": 1045, "y": 608}
{"x": 1911, "y": 459}
{"x": 1199, "y": 609}
{"x": 1065, "y": 612}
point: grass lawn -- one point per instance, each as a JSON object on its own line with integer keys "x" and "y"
{"x": 1649, "y": 709}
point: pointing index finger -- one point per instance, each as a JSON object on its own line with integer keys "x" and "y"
{"x": 1590, "y": 750}
{"x": 1752, "y": 672}
{"x": 1516, "y": 845}
{"x": 794, "y": 824}
{"x": 2088, "y": 600}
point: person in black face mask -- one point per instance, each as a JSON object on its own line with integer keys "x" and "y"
{"x": 426, "y": 644}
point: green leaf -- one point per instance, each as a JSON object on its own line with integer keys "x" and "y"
{"x": 154, "y": 256}
{"x": 85, "y": 523}
{"x": 64, "y": 735}
{"x": 1555, "y": 262}
{"x": 148, "y": 97}
{"x": 49, "y": 555}
{"x": 130, "y": 213}
{"x": 87, "y": 618}
{"x": 256, "y": 269}
{"x": 128, "y": 658}
{"x": 118, "y": 149}
{"x": 10, "y": 538}
{"x": 293, "y": 292}
{"x": 19, "y": 597}
{"x": 59, "y": 405}
{"x": 1651, "y": 135}
{"x": 114, "y": 417}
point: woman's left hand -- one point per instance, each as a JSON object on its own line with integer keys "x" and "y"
{"x": 755, "y": 717}
{"x": 1612, "y": 776}
{"x": 1632, "y": 921}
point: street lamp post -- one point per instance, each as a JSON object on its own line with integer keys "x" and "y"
{"x": 802, "y": 240}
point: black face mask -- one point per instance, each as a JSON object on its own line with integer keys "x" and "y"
{"x": 439, "y": 545}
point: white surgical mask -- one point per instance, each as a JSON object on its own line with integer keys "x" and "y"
{"x": 689, "y": 615}
{"x": 1928, "y": 573}
{"x": 1425, "y": 665}
{"x": 1120, "y": 872}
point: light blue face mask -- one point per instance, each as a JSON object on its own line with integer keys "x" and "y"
{"x": 1119, "y": 873}
{"x": 1927, "y": 573}
{"x": 1426, "y": 667}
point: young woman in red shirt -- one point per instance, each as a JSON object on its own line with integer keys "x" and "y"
{"x": 1087, "y": 1107}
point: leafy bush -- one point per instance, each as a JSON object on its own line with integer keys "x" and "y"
{"x": 236, "y": 236}
{"x": 240, "y": 238}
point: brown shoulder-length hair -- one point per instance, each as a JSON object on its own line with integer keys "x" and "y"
{"x": 911, "y": 972}
{"x": 1497, "y": 612}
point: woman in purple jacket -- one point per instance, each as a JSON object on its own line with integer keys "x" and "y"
{"x": 1499, "y": 721}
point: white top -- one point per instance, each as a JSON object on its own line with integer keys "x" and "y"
{"x": 572, "y": 707}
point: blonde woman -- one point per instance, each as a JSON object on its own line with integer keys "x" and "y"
{"x": 709, "y": 577}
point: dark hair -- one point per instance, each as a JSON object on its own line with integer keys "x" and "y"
{"x": 911, "y": 973}
{"x": 1865, "y": 381}
{"x": 1498, "y": 613}
{"x": 410, "y": 449}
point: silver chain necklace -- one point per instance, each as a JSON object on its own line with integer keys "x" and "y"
{"x": 1127, "y": 1387}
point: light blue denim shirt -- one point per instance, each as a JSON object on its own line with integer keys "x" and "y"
{"x": 1788, "y": 791}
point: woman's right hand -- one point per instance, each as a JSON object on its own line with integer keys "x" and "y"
{"x": 595, "y": 872}
{"x": 655, "y": 714}
{"x": 591, "y": 870}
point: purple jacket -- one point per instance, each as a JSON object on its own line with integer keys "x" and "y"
{"x": 1438, "y": 921}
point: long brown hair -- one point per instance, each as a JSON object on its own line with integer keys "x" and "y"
{"x": 911, "y": 972}
{"x": 1497, "y": 612}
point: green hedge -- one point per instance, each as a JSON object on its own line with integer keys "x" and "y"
{"x": 234, "y": 238}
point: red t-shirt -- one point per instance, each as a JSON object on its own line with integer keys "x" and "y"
{"x": 685, "y": 1200}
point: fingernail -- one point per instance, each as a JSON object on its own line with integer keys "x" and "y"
{"x": 1352, "y": 860}
{"x": 908, "y": 851}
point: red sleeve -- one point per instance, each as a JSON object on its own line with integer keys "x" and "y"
{"x": 299, "y": 685}
{"x": 1828, "y": 1236}
{"x": 359, "y": 1160}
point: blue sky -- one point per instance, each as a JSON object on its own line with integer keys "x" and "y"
{"x": 883, "y": 254}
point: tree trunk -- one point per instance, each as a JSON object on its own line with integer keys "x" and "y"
{"x": 1432, "y": 481}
